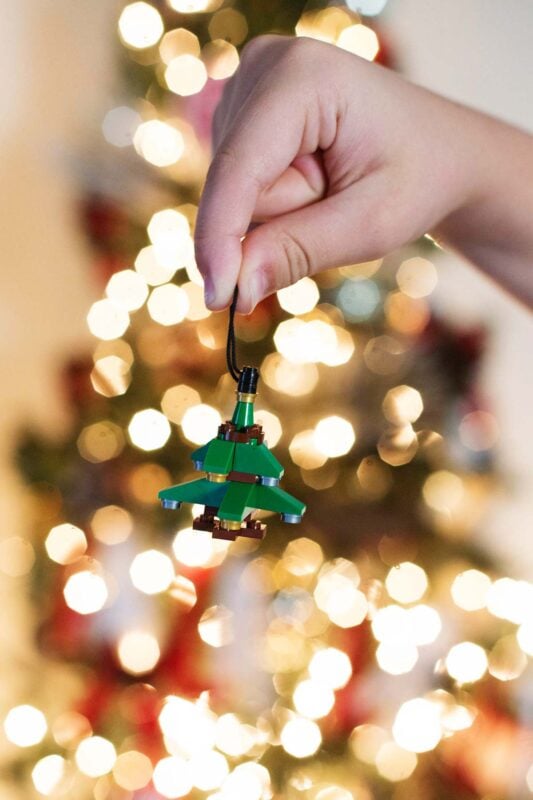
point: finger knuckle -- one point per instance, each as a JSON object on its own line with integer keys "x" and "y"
{"x": 255, "y": 47}
{"x": 296, "y": 255}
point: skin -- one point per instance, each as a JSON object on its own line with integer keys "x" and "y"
{"x": 341, "y": 161}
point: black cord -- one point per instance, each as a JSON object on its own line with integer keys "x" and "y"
{"x": 231, "y": 351}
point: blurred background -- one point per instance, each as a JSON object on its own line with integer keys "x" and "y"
{"x": 380, "y": 649}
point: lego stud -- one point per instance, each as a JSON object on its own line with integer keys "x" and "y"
{"x": 293, "y": 519}
{"x": 173, "y": 505}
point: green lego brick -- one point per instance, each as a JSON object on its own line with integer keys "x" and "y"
{"x": 257, "y": 460}
{"x": 236, "y": 504}
{"x": 200, "y": 491}
{"x": 200, "y": 453}
{"x": 272, "y": 498}
{"x": 243, "y": 415}
{"x": 219, "y": 456}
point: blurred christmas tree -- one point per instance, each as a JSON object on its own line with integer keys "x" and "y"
{"x": 369, "y": 657}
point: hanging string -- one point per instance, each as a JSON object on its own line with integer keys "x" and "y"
{"x": 231, "y": 352}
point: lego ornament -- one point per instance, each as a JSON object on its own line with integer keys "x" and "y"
{"x": 241, "y": 474}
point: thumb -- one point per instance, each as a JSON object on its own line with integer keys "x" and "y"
{"x": 350, "y": 227}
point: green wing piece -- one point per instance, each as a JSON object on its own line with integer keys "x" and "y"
{"x": 200, "y": 491}
{"x": 257, "y": 460}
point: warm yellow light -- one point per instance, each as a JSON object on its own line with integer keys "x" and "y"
{"x": 95, "y": 756}
{"x": 249, "y": 780}
{"x": 132, "y": 770}
{"x": 331, "y": 667}
{"x": 111, "y": 524}
{"x": 510, "y": 599}
{"x": 159, "y": 143}
{"x": 176, "y": 43}
{"x": 186, "y": 75}
{"x": 110, "y": 376}
{"x": 194, "y": 6}
{"x": 172, "y": 777}
{"x": 417, "y": 727}
{"x": 233, "y": 737}
{"x": 48, "y": 773}
{"x": 271, "y": 426}
{"x": 140, "y": 25}
{"x": 391, "y": 623}
{"x": 65, "y": 543}
{"x": 302, "y": 557}
{"x": 360, "y": 40}
{"x": 195, "y": 295}
{"x": 200, "y": 423}
{"x": 295, "y": 380}
{"x": 303, "y": 342}
{"x": 177, "y": 400}
{"x": 340, "y": 599}
{"x": 469, "y": 589}
{"x": 127, "y": 289}
{"x": 150, "y": 267}
{"x": 300, "y": 298}
{"x": 183, "y": 591}
{"x": 25, "y": 726}
{"x": 366, "y": 742}
{"x": 524, "y": 636}
{"x": 138, "y": 652}
{"x": 228, "y": 24}
{"x": 334, "y": 436}
{"x": 209, "y": 770}
{"x": 396, "y": 657}
{"x": 188, "y": 728}
{"x": 107, "y": 320}
{"x": 344, "y": 348}
{"x": 168, "y": 304}
{"x": 199, "y": 549}
{"x": 300, "y": 737}
{"x": 85, "y": 592}
{"x": 100, "y": 441}
{"x": 416, "y": 277}
{"x": 402, "y": 404}
{"x": 304, "y": 452}
{"x": 425, "y": 623}
{"x": 466, "y": 662}
{"x": 507, "y": 661}
{"x": 151, "y": 572}
{"x": 394, "y": 763}
{"x": 216, "y": 626}
{"x": 221, "y": 59}
{"x": 406, "y": 582}
{"x": 313, "y": 699}
{"x": 149, "y": 429}
{"x": 443, "y": 491}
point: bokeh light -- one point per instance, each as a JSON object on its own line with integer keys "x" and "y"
{"x": 119, "y": 126}
{"x": 406, "y": 582}
{"x": 85, "y": 592}
{"x": 466, "y": 662}
{"x": 470, "y": 589}
{"x": 25, "y": 726}
{"x": 95, "y": 756}
{"x": 107, "y": 320}
{"x": 313, "y": 699}
{"x": 172, "y": 777}
{"x": 138, "y": 652}
{"x": 330, "y": 667}
{"x": 417, "y": 727}
{"x": 300, "y": 298}
{"x": 127, "y": 289}
{"x": 300, "y": 737}
{"x": 216, "y": 626}
{"x": 186, "y": 75}
{"x": 132, "y": 770}
{"x": 151, "y": 572}
{"x": 200, "y": 423}
{"x": 198, "y": 549}
{"x": 334, "y": 436}
{"x": 48, "y": 773}
{"x": 360, "y": 40}
{"x": 416, "y": 277}
{"x": 159, "y": 143}
{"x": 111, "y": 524}
{"x": 149, "y": 429}
{"x": 140, "y": 25}
{"x": 168, "y": 304}
{"x": 65, "y": 543}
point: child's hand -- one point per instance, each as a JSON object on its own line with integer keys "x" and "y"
{"x": 343, "y": 161}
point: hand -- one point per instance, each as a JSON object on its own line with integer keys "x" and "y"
{"x": 342, "y": 161}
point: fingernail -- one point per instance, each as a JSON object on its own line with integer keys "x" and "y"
{"x": 209, "y": 291}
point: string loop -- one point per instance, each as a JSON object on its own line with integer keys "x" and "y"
{"x": 231, "y": 352}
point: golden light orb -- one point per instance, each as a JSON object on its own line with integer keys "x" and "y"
{"x": 466, "y": 662}
{"x": 159, "y": 143}
{"x": 360, "y": 40}
{"x": 300, "y": 737}
{"x": 48, "y": 774}
{"x": 417, "y": 277}
{"x": 300, "y": 298}
{"x": 199, "y": 549}
{"x": 394, "y": 763}
{"x": 25, "y": 726}
{"x": 132, "y": 770}
{"x": 331, "y": 667}
{"x": 151, "y": 572}
{"x": 85, "y": 592}
{"x": 470, "y": 588}
{"x": 216, "y": 626}
{"x": 172, "y": 777}
{"x": 186, "y": 75}
{"x": 417, "y": 726}
{"x": 406, "y": 582}
{"x": 200, "y": 423}
{"x": 111, "y": 524}
{"x": 149, "y": 429}
{"x": 313, "y": 699}
{"x": 107, "y": 320}
{"x": 65, "y": 543}
{"x": 127, "y": 289}
{"x": 95, "y": 756}
{"x": 140, "y": 25}
{"x": 138, "y": 652}
{"x": 334, "y": 436}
